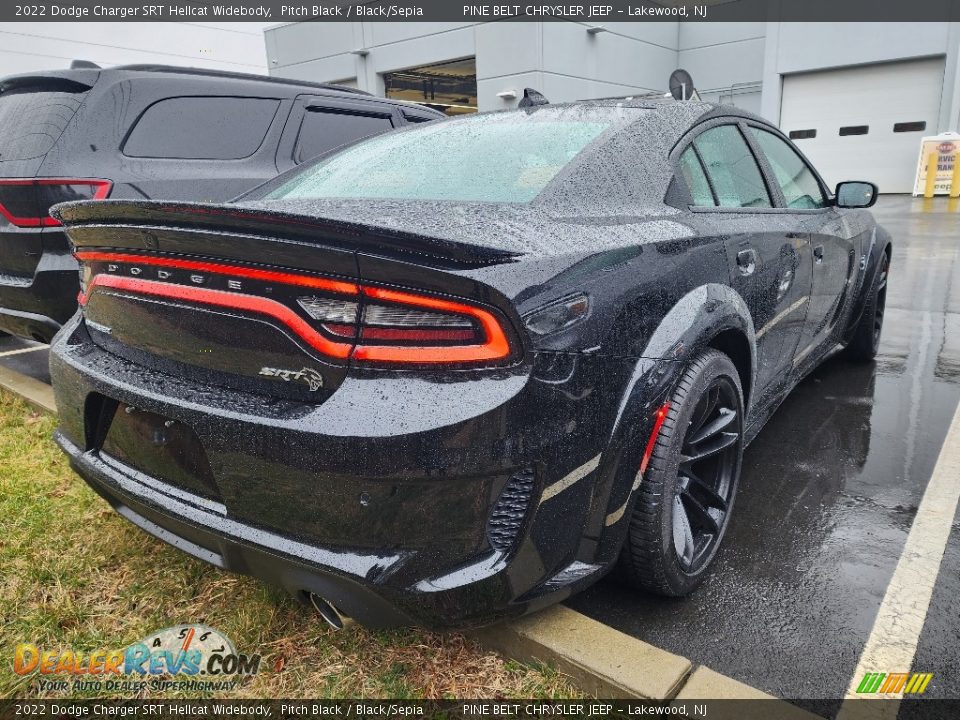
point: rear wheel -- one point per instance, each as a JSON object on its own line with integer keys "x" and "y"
{"x": 686, "y": 497}
{"x": 866, "y": 338}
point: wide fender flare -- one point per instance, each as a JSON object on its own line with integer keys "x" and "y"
{"x": 880, "y": 240}
{"x": 690, "y": 326}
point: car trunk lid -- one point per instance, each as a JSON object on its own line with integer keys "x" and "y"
{"x": 258, "y": 300}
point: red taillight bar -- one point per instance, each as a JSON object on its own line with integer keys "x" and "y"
{"x": 102, "y": 189}
{"x": 495, "y": 346}
{"x": 251, "y": 273}
{"x": 233, "y": 301}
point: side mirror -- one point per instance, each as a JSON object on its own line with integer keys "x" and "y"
{"x": 856, "y": 194}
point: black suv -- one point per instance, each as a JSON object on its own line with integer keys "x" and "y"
{"x": 148, "y": 131}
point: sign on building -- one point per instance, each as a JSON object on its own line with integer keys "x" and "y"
{"x": 944, "y": 147}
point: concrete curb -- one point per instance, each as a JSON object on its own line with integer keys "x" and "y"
{"x": 603, "y": 661}
{"x": 610, "y": 664}
{"x": 37, "y": 393}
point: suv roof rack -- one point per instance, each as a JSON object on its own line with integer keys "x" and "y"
{"x": 174, "y": 69}
{"x": 646, "y": 95}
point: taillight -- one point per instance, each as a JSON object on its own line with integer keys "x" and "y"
{"x": 338, "y": 318}
{"x": 399, "y": 326}
{"x": 26, "y": 202}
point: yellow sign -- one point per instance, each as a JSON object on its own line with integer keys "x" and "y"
{"x": 940, "y": 153}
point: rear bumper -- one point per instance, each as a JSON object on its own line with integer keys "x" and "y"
{"x": 384, "y": 512}
{"x": 233, "y": 546}
{"x": 27, "y": 325}
{"x": 37, "y": 307}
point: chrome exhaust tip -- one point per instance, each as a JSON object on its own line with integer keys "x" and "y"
{"x": 328, "y": 612}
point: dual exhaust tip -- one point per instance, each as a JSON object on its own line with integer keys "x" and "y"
{"x": 328, "y": 611}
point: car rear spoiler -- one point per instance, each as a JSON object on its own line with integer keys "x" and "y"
{"x": 439, "y": 252}
{"x": 54, "y": 80}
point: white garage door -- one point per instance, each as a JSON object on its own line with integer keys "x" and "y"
{"x": 864, "y": 123}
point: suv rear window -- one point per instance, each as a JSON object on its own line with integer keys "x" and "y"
{"x": 202, "y": 128}
{"x": 32, "y": 120}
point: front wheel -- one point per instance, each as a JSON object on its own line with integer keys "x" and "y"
{"x": 866, "y": 338}
{"x": 686, "y": 497}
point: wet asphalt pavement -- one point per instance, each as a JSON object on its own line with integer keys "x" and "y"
{"x": 828, "y": 494}
{"x": 829, "y": 491}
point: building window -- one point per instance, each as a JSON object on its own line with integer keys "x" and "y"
{"x": 854, "y": 130}
{"x": 910, "y": 126}
{"x": 449, "y": 87}
{"x": 802, "y": 134}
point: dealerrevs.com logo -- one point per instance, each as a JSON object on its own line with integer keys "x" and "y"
{"x": 182, "y": 657}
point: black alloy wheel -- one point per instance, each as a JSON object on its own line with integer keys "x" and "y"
{"x": 686, "y": 497}
{"x": 866, "y": 338}
{"x": 880, "y": 302}
{"x": 709, "y": 459}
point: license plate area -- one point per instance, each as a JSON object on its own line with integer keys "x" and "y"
{"x": 159, "y": 447}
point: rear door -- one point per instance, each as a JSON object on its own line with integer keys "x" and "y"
{"x": 832, "y": 247}
{"x": 318, "y": 124}
{"x": 202, "y": 146}
{"x": 766, "y": 251}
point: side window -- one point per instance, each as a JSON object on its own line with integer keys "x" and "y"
{"x": 323, "y": 129}
{"x": 732, "y": 169}
{"x": 801, "y": 190}
{"x": 696, "y": 178}
{"x": 202, "y": 128}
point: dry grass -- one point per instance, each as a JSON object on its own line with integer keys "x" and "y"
{"x": 75, "y": 575}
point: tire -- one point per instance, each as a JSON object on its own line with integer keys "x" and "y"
{"x": 866, "y": 338}
{"x": 708, "y": 399}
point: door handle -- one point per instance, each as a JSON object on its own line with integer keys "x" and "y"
{"x": 818, "y": 254}
{"x": 747, "y": 261}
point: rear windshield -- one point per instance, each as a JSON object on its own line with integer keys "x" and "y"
{"x": 32, "y": 120}
{"x": 501, "y": 157}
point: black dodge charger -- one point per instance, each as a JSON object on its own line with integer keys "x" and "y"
{"x": 458, "y": 372}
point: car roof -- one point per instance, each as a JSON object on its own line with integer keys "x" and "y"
{"x": 85, "y": 77}
{"x": 204, "y": 72}
{"x": 665, "y": 105}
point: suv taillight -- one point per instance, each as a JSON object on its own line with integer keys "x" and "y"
{"x": 338, "y": 318}
{"x": 26, "y": 202}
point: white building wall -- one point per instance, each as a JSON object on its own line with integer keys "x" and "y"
{"x": 327, "y": 52}
{"x": 725, "y": 61}
{"x": 562, "y": 60}
{"x": 32, "y": 46}
{"x": 739, "y": 63}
